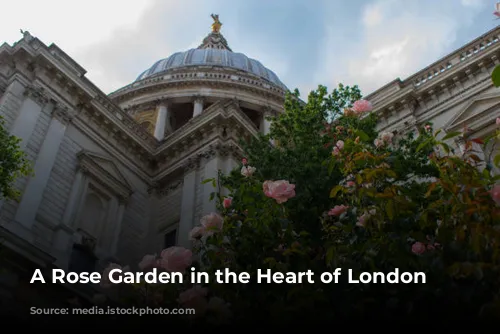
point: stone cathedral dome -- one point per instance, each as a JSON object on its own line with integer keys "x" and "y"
{"x": 212, "y": 57}
{"x": 188, "y": 83}
{"x": 214, "y": 51}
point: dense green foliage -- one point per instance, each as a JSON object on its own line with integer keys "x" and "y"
{"x": 335, "y": 193}
{"x": 13, "y": 163}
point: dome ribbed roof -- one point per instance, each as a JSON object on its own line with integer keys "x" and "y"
{"x": 214, "y": 51}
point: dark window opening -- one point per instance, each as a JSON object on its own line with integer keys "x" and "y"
{"x": 170, "y": 239}
{"x": 82, "y": 259}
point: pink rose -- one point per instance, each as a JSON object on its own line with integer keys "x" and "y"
{"x": 428, "y": 127}
{"x": 498, "y": 120}
{"x": 195, "y": 298}
{"x": 176, "y": 259}
{"x": 148, "y": 262}
{"x": 196, "y": 233}
{"x": 387, "y": 137}
{"x": 378, "y": 143}
{"x": 362, "y": 106}
{"x": 280, "y": 190}
{"x": 495, "y": 194}
{"x": 212, "y": 223}
{"x": 244, "y": 161}
{"x": 418, "y": 248}
{"x": 336, "y": 150}
{"x": 350, "y": 184}
{"x": 362, "y": 220}
{"x": 340, "y": 145}
{"x": 337, "y": 210}
{"x": 227, "y": 202}
{"x": 248, "y": 171}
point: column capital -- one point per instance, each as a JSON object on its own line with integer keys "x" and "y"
{"x": 267, "y": 111}
{"x": 163, "y": 102}
{"x": 37, "y": 94}
{"x": 198, "y": 99}
{"x": 190, "y": 165}
{"x": 61, "y": 113}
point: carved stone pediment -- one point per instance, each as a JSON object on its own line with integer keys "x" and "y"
{"x": 105, "y": 171}
{"x": 483, "y": 108}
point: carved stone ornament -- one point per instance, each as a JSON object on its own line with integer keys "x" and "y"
{"x": 268, "y": 112}
{"x": 209, "y": 153}
{"x": 62, "y": 113}
{"x": 191, "y": 164}
{"x": 171, "y": 187}
{"x": 411, "y": 104}
{"x": 37, "y": 94}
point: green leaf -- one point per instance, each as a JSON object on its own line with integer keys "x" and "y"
{"x": 335, "y": 191}
{"x": 362, "y": 135}
{"x": 389, "y": 208}
{"x": 496, "y": 160}
{"x": 207, "y": 180}
{"x": 452, "y": 134}
{"x": 495, "y": 76}
{"x": 422, "y": 145}
{"x": 329, "y": 254}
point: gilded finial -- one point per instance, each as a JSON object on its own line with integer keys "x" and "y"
{"x": 217, "y": 24}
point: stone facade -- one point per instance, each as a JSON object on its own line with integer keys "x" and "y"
{"x": 119, "y": 175}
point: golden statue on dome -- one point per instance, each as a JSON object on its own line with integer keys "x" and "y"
{"x": 217, "y": 24}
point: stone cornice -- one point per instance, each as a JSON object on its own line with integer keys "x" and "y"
{"x": 54, "y": 61}
{"x": 204, "y": 76}
{"x": 216, "y": 147}
{"x": 441, "y": 97}
{"x": 455, "y": 76}
{"x": 461, "y": 57}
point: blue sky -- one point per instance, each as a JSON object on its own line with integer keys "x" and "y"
{"x": 305, "y": 42}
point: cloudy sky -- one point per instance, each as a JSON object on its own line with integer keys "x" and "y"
{"x": 306, "y": 42}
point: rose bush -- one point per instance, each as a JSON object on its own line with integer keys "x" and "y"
{"x": 335, "y": 193}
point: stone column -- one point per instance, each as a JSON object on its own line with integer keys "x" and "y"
{"x": 105, "y": 235}
{"x": 212, "y": 166}
{"x": 74, "y": 197}
{"x": 188, "y": 204}
{"x": 33, "y": 193}
{"x": 118, "y": 227}
{"x": 265, "y": 125}
{"x": 197, "y": 106}
{"x": 161, "y": 122}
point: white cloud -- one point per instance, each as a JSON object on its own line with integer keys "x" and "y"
{"x": 407, "y": 39}
{"x": 372, "y": 16}
{"x": 72, "y": 25}
{"x": 474, "y": 3}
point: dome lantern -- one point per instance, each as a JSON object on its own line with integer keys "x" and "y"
{"x": 215, "y": 40}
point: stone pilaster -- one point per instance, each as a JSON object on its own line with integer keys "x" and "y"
{"x": 188, "y": 203}
{"x": 33, "y": 193}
